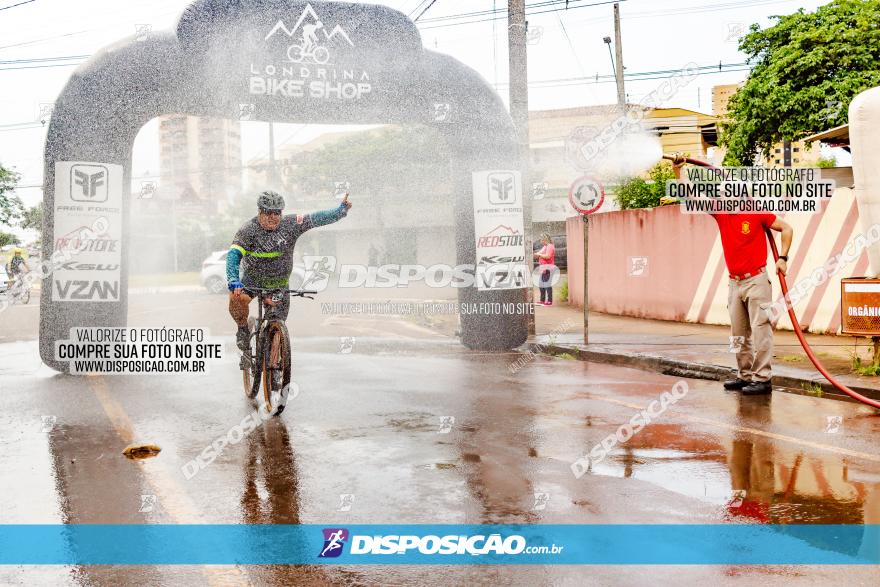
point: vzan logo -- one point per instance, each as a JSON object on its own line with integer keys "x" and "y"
{"x": 88, "y": 183}
{"x": 87, "y": 290}
{"x": 306, "y": 69}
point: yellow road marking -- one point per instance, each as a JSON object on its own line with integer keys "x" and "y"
{"x": 171, "y": 495}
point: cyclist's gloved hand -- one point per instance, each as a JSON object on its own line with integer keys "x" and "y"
{"x": 234, "y": 285}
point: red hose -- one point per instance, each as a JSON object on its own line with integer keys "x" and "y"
{"x": 794, "y": 321}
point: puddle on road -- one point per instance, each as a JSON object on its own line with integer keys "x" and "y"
{"x": 751, "y": 479}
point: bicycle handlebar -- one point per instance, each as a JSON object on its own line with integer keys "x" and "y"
{"x": 292, "y": 292}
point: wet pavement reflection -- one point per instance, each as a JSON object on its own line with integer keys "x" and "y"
{"x": 428, "y": 432}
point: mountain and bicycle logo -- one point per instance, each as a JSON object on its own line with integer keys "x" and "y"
{"x": 314, "y": 39}
{"x": 334, "y": 540}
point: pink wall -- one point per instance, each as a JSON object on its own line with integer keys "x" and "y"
{"x": 686, "y": 277}
{"x": 676, "y": 245}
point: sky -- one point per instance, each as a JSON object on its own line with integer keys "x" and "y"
{"x": 42, "y": 41}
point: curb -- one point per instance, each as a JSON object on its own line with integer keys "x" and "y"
{"x": 667, "y": 366}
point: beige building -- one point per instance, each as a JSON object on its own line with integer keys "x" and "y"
{"x": 556, "y": 136}
{"x": 788, "y": 153}
{"x": 721, "y": 96}
{"x": 200, "y": 160}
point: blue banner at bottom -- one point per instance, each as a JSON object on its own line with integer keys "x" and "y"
{"x": 544, "y": 544}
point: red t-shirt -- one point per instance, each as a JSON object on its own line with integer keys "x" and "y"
{"x": 743, "y": 240}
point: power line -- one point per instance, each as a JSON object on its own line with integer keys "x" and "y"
{"x": 537, "y": 84}
{"x": 502, "y": 13}
{"x": 14, "y": 5}
{"x": 417, "y": 8}
{"x": 424, "y": 11}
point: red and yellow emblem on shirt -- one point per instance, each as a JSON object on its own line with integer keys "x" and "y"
{"x": 746, "y": 228}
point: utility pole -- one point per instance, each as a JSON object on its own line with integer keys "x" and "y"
{"x": 618, "y": 50}
{"x": 519, "y": 111}
{"x": 273, "y": 170}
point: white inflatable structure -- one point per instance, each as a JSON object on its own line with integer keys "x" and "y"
{"x": 864, "y": 140}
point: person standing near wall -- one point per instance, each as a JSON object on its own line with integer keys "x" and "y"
{"x": 547, "y": 264}
{"x": 744, "y": 241}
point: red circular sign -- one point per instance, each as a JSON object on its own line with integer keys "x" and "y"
{"x": 586, "y": 195}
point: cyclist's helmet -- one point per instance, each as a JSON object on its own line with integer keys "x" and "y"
{"x": 270, "y": 201}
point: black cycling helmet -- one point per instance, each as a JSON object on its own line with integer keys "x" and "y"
{"x": 270, "y": 201}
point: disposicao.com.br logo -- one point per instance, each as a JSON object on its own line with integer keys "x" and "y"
{"x": 412, "y": 544}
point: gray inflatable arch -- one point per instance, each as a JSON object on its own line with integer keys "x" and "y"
{"x": 225, "y": 53}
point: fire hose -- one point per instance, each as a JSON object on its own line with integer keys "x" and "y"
{"x": 680, "y": 160}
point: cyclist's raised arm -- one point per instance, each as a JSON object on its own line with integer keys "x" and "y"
{"x": 323, "y": 217}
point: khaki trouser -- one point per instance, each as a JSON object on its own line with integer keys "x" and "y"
{"x": 750, "y": 328}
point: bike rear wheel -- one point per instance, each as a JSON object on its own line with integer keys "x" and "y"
{"x": 276, "y": 374}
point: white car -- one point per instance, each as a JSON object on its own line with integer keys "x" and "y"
{"x": 214, "y": 273}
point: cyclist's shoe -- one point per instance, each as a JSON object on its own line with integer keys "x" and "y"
{"x": 243, "y": 338}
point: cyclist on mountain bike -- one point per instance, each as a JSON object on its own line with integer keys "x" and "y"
{"x": 14, "y": 267}
{"x": 261, "y": 255}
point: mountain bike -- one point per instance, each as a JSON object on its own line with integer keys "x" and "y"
{"x": 267, "y": 359}
{"x": 19, "y": 292}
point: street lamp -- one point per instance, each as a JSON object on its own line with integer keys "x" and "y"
{"x": 611, "y": 55}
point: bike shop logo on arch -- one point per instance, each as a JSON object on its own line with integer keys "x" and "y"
{"x": 305, "y": 67}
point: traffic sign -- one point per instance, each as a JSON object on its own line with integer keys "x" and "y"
{"x": 586, "y": 195}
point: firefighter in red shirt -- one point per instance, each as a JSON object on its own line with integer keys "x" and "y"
{"x": 750, "y": 295}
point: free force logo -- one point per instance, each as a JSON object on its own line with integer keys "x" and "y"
{"x": 501, "y": 188}
{"x": 88, "y": 183}
{"x": 334, "y": 540}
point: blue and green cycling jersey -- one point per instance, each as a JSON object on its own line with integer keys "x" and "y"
{"x": 264, "y": 258}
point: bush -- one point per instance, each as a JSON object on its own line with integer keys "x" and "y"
{"x": 635, "y": 192}
{"x": 563, "y": 291}
{"x": 826, "y": 162}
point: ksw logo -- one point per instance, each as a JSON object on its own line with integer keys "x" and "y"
{"x": 495, "y": 259}
{"x": 86, "y": 290}
{"x": 88, "y": 183}
{"x": 311, "y": 48}
{"x": 501, "y": 188}
{"x": 74, "y": 266}
{"x": 334, "y": 540}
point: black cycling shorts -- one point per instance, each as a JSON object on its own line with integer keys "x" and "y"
{"x": 279, "y": 310}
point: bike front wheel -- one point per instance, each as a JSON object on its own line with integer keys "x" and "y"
{"x": 275, "y": 365}
{"x": 321, "y": 55}
{"x": 250, "y": 368}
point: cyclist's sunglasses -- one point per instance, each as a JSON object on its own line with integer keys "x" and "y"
{"x": 271, "y": 212}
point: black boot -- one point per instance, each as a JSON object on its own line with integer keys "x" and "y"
{"x": 758, "y": 388}
{"x": 736, "y": 384}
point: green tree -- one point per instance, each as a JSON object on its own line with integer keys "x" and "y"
{"x": 32, "y": 218}
{"x": 7, "y": 238}
{"x": 11, "y": 208}
{"x": 385, "y": 161}
{"x": 636, "y": 192}
{"x": 807, "y": 69}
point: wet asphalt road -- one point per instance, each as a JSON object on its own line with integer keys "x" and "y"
{"x": 374, "y": 424}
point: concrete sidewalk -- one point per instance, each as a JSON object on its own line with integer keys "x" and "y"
{"x": 700, "y": 350}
